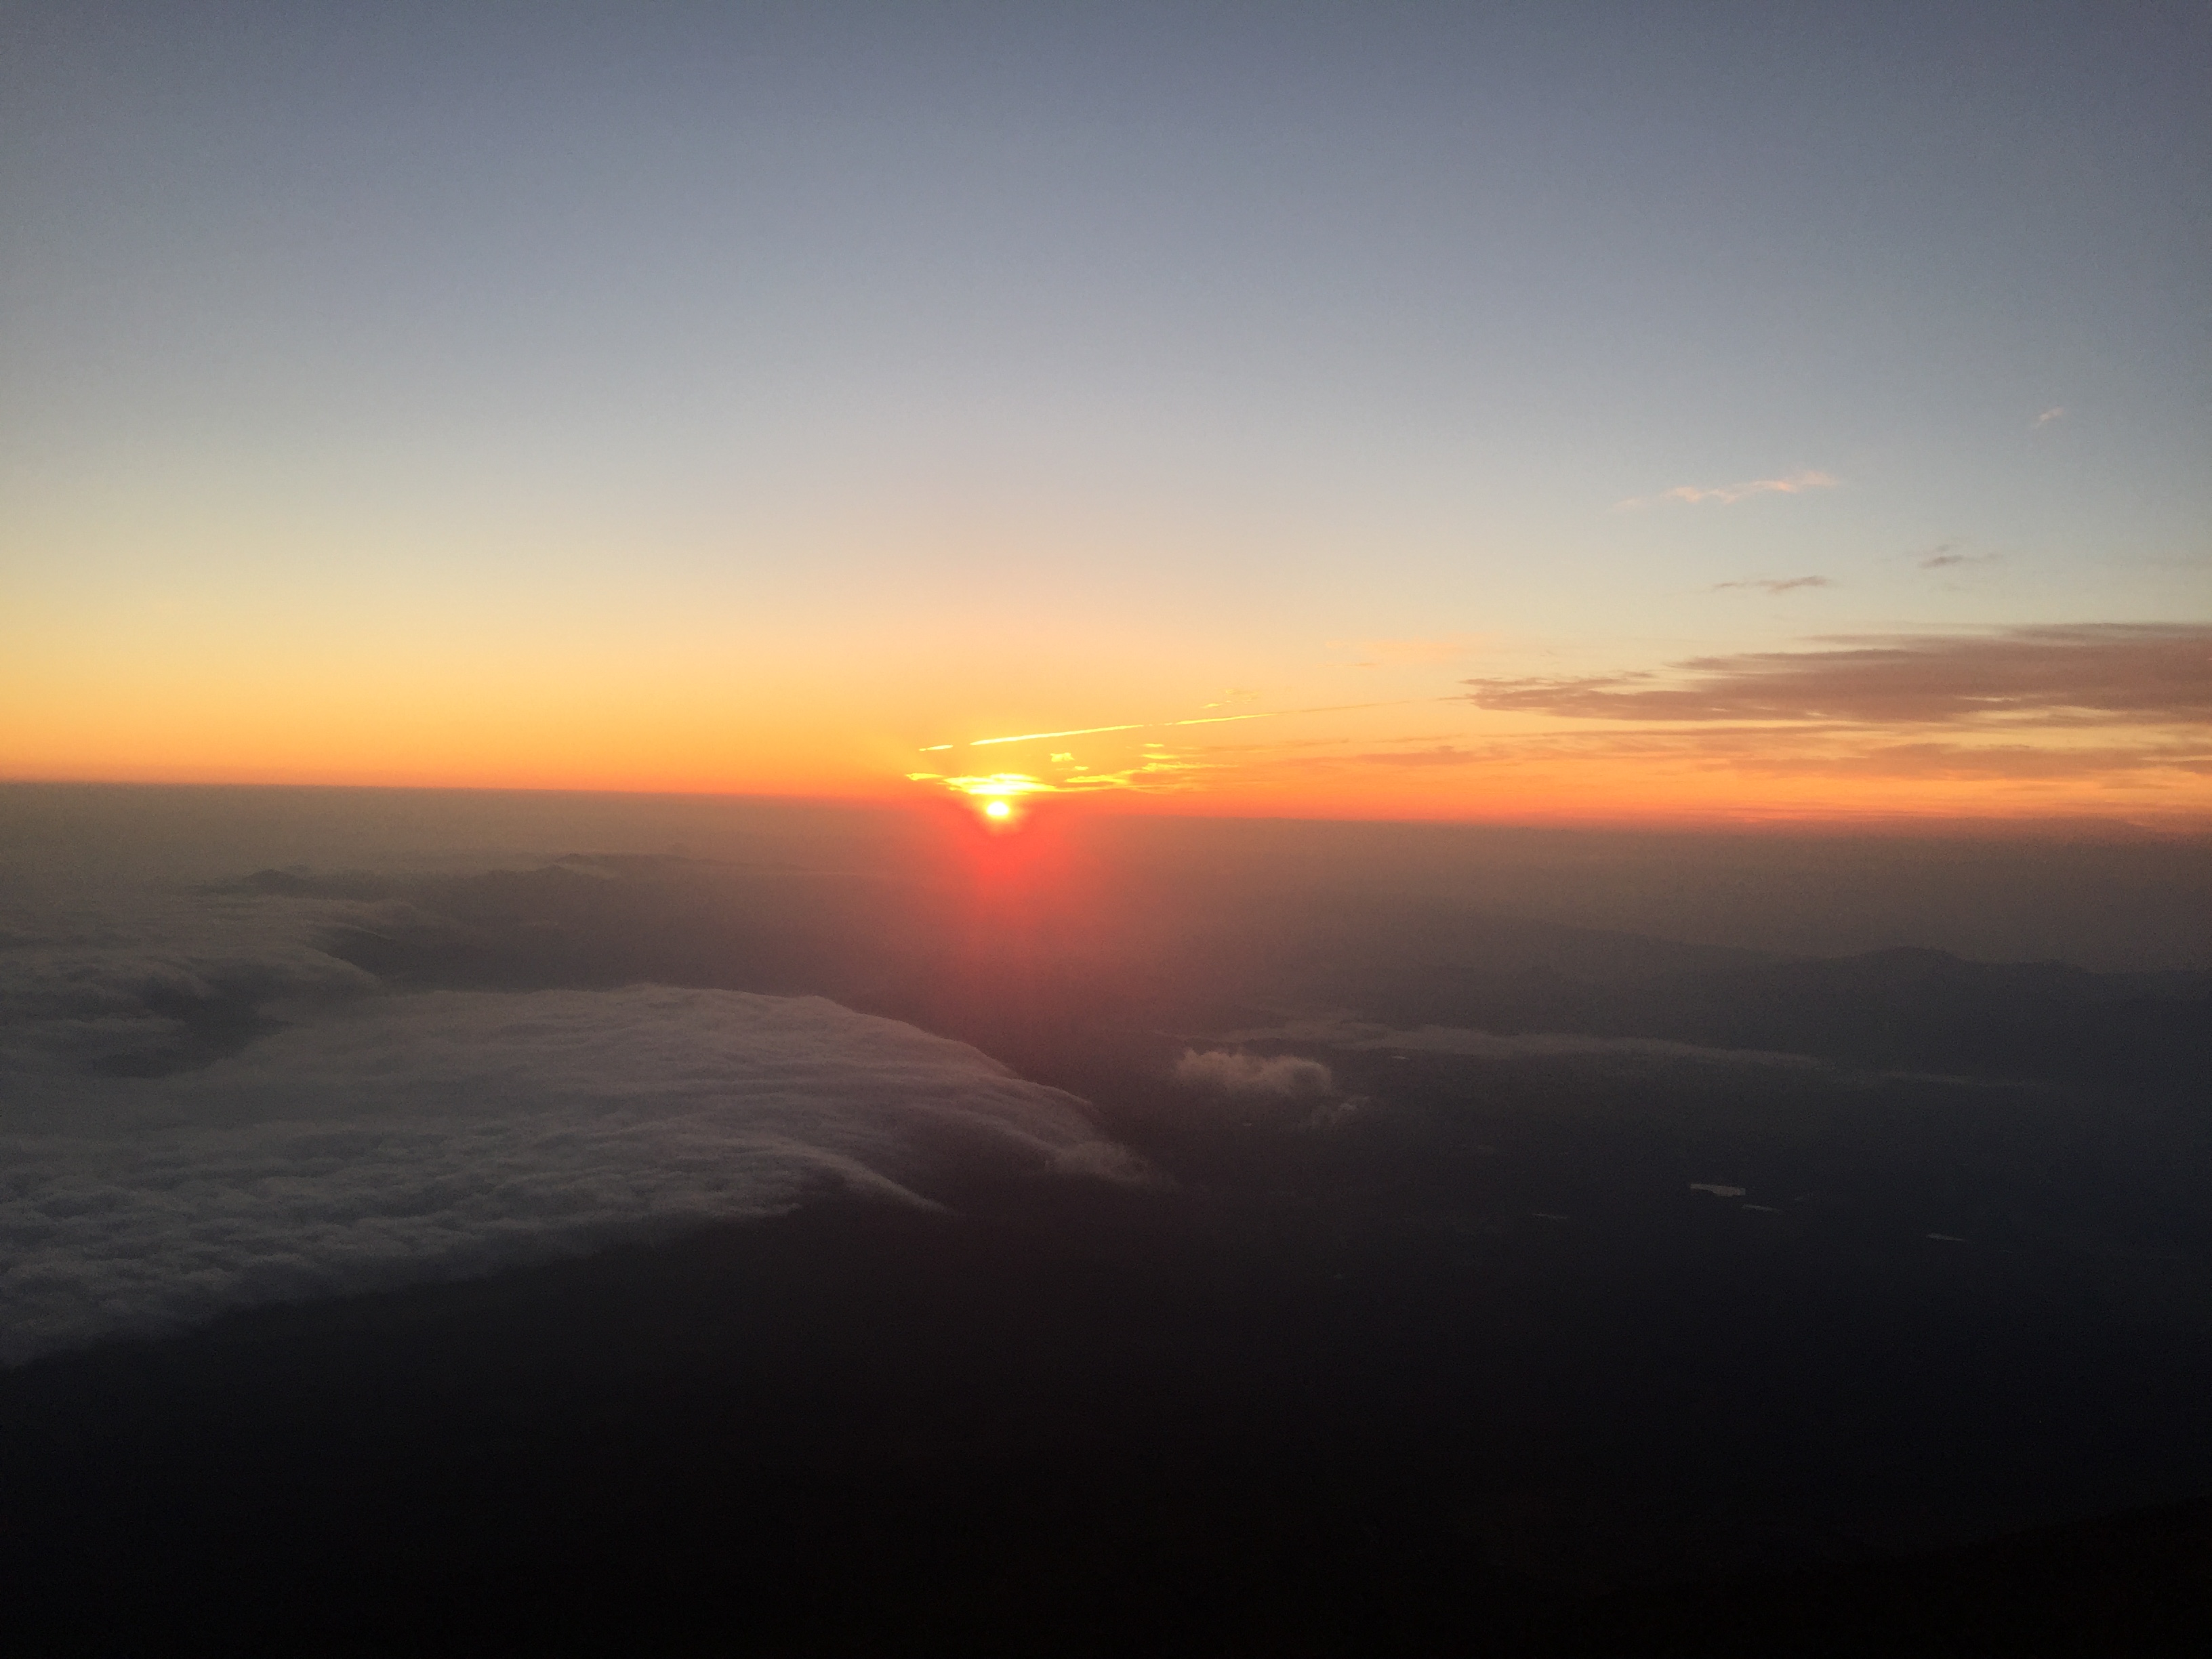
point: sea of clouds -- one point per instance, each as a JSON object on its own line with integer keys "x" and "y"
{"x": 362, "y": 1140}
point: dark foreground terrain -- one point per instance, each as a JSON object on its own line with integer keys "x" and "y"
{"x": 1499, "y": 1285}
{"x": 1080, "y": 1420}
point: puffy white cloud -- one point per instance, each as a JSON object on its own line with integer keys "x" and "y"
{"x": 404, "y": 1138}
{"x": 1280, "y": 1077}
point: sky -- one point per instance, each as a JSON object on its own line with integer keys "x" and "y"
{"x": 1608, "y": 413}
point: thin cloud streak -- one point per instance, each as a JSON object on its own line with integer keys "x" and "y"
{"x": 1728, "y": 495}
{"x": 1773, "y": 585}
{"x": 1039, "y": 737}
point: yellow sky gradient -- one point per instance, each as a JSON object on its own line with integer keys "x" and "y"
{"x": 931, "y": 715}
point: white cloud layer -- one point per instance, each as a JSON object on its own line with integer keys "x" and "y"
{"x": 405, "y": 1138}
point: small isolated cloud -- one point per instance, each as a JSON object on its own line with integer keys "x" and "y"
{"x": 1276, "y": 1077}
{"x": 1947, "y": 556}
{"x": 2056, "y": 413}
{"x": 1774, "y": 583}
{"x": 1728, "y": 494}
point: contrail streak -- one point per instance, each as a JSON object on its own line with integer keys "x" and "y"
{"x": 1074, "y": 731}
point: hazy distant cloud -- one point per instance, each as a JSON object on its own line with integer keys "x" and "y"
{"x": 1833, "y": 750}
{"x": 1728, "y": 494}
{"x": 1775, "y": 585}
{"x": 1443, "y": 754}
{"x": 2150, "y": 673}
{"x": 1343, "y": 1031}
{"x": 2056, "y": 413}
{"x": 1961, "y": 761}
{"x": 1562, "y": 1045}
{"x": 450, "y": 1134}
{"x": 1280, "y": 1076}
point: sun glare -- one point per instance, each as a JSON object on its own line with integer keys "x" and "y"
{"x": 997, "y": 809}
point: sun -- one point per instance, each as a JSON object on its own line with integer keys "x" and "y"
{"x": 997, "y": 809}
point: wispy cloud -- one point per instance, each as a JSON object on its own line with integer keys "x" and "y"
{"x": 1728, "y": 494}
{"x": 2056, "y": 413}
{"x": 1158, "y": 769}
{"x": 1946, "y": 555}
{"x": 1774, "y": 583}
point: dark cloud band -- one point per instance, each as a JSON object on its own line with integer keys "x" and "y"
{"x": 2144, "y": 673}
